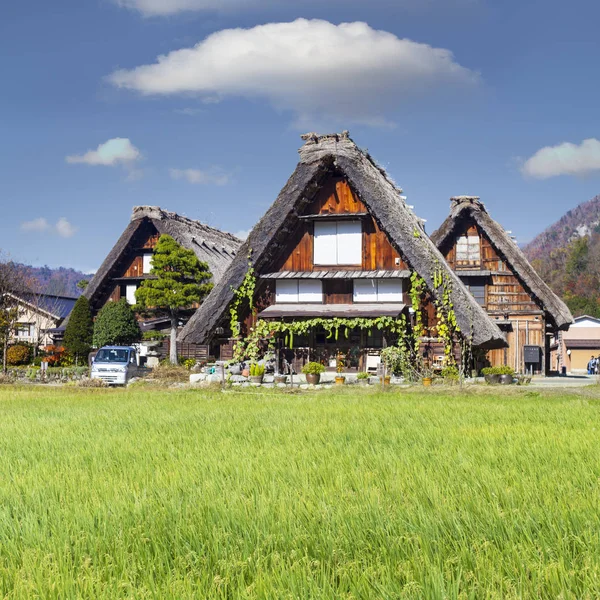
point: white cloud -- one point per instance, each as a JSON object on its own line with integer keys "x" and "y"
{"x": 162, "y": 8}
{"x": 213, "y": 176}
{"x": 62, "y": 227}
{"x": 348, "y": 72}
{"x": 112, "y": 152}
{"x": 169, "y": 7}
{"x": 564, "y": 159}
{"x": 39, "y": 224}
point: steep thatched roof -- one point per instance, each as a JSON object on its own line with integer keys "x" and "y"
{"x": 212, "y": 246}
{"x": 467, "y": 208}
{"x": 320, "y": 157}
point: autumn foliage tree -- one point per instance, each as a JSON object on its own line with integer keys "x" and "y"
{"x": 179, "y": 280}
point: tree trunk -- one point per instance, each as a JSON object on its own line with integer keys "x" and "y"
{"x": 173, "y": 350}
{"x": 4, "y": 364}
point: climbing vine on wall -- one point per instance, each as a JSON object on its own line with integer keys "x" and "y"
{"x": 409, "y": 342}
{"x": 243, "y": 293}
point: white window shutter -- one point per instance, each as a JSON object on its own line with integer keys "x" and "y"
{"x": 365, "y": 290}
{"x": 130, "y": 293}
{"x": 473, "y": 245}
{"x": 462, "y": 248}
{"x": 325, "y": 243}
{"x": 310, "y": 290}
{"x": 389, "y": 290}
{"x": 286, "y": 291}
{"x": 147, "y": 263}
{"x": 349, "y": 243}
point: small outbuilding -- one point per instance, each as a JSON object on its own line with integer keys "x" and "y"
{"x": 501, "y": 279}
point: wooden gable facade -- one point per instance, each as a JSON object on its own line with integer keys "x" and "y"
{"x": 130, "y": 260}
{"x": 132, "y": 268}
{"x": 339, "y": 241}
{"x": 347, "y": 287}
{"x": 502, "y": 281}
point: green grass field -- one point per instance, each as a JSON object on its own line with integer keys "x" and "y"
{"x": 187, "y": 494}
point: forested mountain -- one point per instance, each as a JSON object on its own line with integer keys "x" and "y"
{"x": 60, "y": 281}
{"x": 567, "y": 256}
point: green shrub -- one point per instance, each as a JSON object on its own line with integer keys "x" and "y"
{"x": 116, "y": 325}
{"x": 151, "y": 336}
{"x": 362, "y": 375}
{"x": 257, "y": 370}
{"x": 188, "y": 363}
{"x": 450, "y": 373}
{"x": 313, "y": 368}
{"x": 78, "y": 334}
{"x": 504, "y": 370}
{"x": 19, "y": 354}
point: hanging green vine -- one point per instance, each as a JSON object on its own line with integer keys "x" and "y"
{"x": 242, "y": 293}
{"x": 334, "y": 327}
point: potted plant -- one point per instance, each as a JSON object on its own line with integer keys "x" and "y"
{"x": 279, "y": 378}
{"x": 506, "y": 375}
{"x": 257, "y": 372}
{"x": 426, "y": 376}
{"x": 491, "y": 375}
{"x": 391, "y": 357}
{"x": 363, "y": 378}
{"x": 313, "y": 371}
{"x": 339, "y": 378}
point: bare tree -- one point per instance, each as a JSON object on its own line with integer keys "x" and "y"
{"x": 11, "y": 282}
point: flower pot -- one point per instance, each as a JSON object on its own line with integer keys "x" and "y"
{"x": 313, "y": 378}
{"x": 387, "y": 379}
{"x": 492, "y": 379}
{"x": 506, "y": 379}
{"x": 339, "y": 380}
{"x": 245, "y": 372}
{"x": 280, "y": 379}
{"x": 427, "y": 381}
{"x": 256, "y": 378}
{"x": 363, "y": 382}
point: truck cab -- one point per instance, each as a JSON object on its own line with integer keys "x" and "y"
{"x": 115, "y": 365}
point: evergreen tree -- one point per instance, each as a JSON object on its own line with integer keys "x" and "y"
{"x": 116, "y": 325}
{"x": 180, "y": 281}
{"x": 79, "y": 331}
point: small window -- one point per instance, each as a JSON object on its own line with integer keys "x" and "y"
{"x": 24, "y": 330}
{"x": 130, "y": 293}
{"x": 147, "y": 263}
{"x": 477, "y": 289}
{"x": 338, "y": 243}
{"x": 298, "y": 290}
{"x": 478, "y": 292}
{"x": 467, "y": 249}
{"x": 378, "y": 290}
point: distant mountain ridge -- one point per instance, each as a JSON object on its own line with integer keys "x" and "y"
{"x": 60, "y": 281}
{"x": 567, "y": 256}
{"x": 576, "y": 223}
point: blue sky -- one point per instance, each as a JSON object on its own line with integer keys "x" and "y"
{"x": 496, "y": 99}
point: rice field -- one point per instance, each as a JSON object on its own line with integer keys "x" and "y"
{"x": 148, "y": 493}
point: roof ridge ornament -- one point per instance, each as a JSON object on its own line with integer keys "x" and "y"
{"x": 314, "y": 138}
